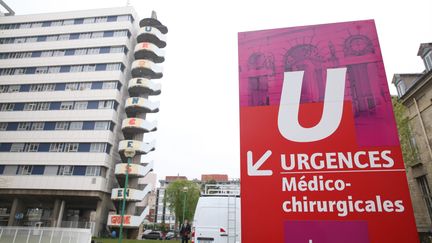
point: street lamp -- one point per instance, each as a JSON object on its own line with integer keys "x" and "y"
{"x": 185, "y": 189}
{"x": 129, "y": 153}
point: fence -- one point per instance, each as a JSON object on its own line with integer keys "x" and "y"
{"x": 44, "y": 235}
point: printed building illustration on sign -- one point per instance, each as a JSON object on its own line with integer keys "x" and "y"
{"x": 319, "y": 145}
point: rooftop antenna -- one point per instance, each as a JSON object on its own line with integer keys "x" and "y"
{"x": 153, "y": 15}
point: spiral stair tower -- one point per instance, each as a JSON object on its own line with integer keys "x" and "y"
{"x": 148, "y": 55}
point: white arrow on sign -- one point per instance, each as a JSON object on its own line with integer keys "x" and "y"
{"x": 253, "y": 168}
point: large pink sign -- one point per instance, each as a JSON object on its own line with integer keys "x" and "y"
{"x": 320, "y": 155}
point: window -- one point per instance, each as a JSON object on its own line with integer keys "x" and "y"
{"x": 401, "y": 88}
{"x": 98, "y": 34}
{"x": 109, "y": 85}
{"x": 113, "y": 66}
{"x": 71, "y": 147}
{"x": 31, "y": 147}
{"x": 123, "y": 18}
{"x": 56, "y": 23}
{"x": 428, "y": 61}
{"x": 46, "y": 53}
{"x": 63, "y": 37}
{"x": 25, "y": 25}
{"x": 31, "y": 39}
{"x": 24, "y": 126}
{"x": 3, "y": 126}
{"x": 7, "y": 71}
{"x": 89, "y": 68}
{"x": 56, "y": 147}
{"x": 101, "y": 19}
{"x": 92, "y": 171}
{"x": 105, "y": 104}
{"x": 71, "y": 86}
{"x": 424, "y": 185}
{"x": 65, "y": 170}
{"x": 4, "y": 88}
{"x": 19, "y": 71}
{"x": 85, "y": 86}
{"x": 117, "y": 49}
{"x": 42, "y": 70}
{"x": 42, "y": 106}
{"x": 52, "y": 38}
{"x": 19, "y": 40}
{"x": 14, "y": 88}
{"x": 36, "y": 126}
{"x": 17, "y": 147}
{"x": 76, "y": 126}
{"x": 62, "y": 126}
{"x": 42, "y": 87}
{"x": 24, "y": 170}
{"x": 80, "y": 105}
{"x": 93, "y": 51}
{"x": 85, "y": 36}
{"x": 97, "y": 147}
{"x": 59, "y": 53}
{"x": 89, "y": 20}
{"x": 80, "y": 51}
{"x": 30, "y": 106}
{"x": 119, "y": 33}
{"x": 77, "y": 68}
{"x": 68, "y": 21}
{"x": 66, "y": 105}
{"x": 36, "y": 25}
{"x": 54, "y": 69}
{"x": 101, "y": 125}
{"x": 7, "y": 107}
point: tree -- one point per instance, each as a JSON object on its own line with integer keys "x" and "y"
{"x": 409, "y": 150}
{"x": 182, "y": 196}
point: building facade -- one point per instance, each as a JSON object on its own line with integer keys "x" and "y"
{"x": 162, "y": 211}
{"x": 415, "y": 93}
{"x": 63, "y": 84}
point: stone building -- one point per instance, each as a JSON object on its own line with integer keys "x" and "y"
{"x": 415, "y": 93}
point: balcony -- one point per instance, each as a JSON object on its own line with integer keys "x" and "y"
{"x": 146, "y": 68}
{"x": 142, "y": 85}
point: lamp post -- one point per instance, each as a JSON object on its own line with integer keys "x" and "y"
{"x": 185, "y": 189}
{"x": 129, "y": 153}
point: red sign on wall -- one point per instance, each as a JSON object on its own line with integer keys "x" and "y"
{"x": 320, "y": 155}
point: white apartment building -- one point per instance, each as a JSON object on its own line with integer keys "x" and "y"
{"x": 63, "y": 85}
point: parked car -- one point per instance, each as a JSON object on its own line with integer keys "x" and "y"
{"x": 170, "y": 235}
{"x": 152, "y": 235}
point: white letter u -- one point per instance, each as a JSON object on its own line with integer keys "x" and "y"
{"x": 288, "y": 123}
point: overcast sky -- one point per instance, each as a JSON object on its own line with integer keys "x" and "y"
{"x": 198, "y": 130}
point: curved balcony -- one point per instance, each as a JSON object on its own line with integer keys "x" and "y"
{"x": 132, "y": 195}
{"x": 135, "y": 170}
{"x": 129, "y": 221}
{"x": 152, "y": 35}
{"x": 138, "y": 86}
{"x": 149, "y": 51}
{"x": 138, "y": 125}
{"x": 146, "y": 69}
{"x": 139, "y": 146}
{"x": 153, "y": 23}
{"x": 135, "y": 105}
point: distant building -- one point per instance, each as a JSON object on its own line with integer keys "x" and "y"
{"x": 415, "y": 93}
{"x": 219, "y": 178}
{"x": 163, "y": 214}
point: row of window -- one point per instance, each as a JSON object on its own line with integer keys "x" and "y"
{"x": 65, "y": 105}
{"x": 62, "y": 22}
{"x": 75, "y": 86}
{"x": 63, "y": 69}
{"x": 62, "y": 37}
{"x": 64, "y": 52}
{"x": 62, "y": 170}
{"x": 56, "y": 147}
{"x": 60, "y": 125}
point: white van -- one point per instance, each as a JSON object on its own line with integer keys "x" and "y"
{"x": 217, "y": 215}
